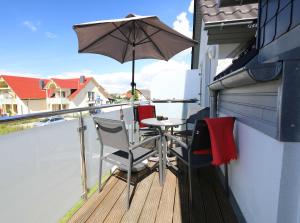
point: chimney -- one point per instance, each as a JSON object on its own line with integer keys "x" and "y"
{"x": 42, "y": 84}
{"x": 81, "y": 79}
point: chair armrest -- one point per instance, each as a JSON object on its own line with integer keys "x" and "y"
{"x": 144, "y": 142}
{"x": 176, "y": 140}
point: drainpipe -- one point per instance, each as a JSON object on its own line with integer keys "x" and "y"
{"x": 213, "y": 103}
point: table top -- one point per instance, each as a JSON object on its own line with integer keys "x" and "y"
{"x": 167, "y": 123}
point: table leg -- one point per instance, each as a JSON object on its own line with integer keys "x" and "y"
{"x": 160, "y": 161}
{"x": 164, "y": 158}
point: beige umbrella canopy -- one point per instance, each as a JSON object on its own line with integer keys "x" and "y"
{"x": 131, "y": 38}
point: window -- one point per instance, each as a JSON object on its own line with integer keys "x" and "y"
{"x": 91, "y": 96}
{"x": 63, "y": 94}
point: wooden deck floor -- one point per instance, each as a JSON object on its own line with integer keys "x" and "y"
{"x": 153, "y": 203}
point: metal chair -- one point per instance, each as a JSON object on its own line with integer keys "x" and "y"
{"x": 203, "y": 113}
{"x": 195, "y": 155}
{"x": 113, "y": 133}
{"x": 143, "y": 112}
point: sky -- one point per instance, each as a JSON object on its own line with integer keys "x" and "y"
{"x": 37, "y": 39}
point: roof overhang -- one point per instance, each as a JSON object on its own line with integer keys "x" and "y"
{"x": 226, "y": 32}
{"x": 225, "y": 3}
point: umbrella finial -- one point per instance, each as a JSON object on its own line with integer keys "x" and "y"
{"x": 130, "y": 15}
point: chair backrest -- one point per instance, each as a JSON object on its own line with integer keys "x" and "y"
{"x": 203, "y": 113}
{"x": 112, "y": 133}
{"x": 143, "y": 112}
{"x": 201, "y": 139}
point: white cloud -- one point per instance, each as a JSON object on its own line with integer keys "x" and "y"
{"x": 182, "y": 25}
{"x": 191, "y": 7}
{"x": 50, "y": 35}
{"x": 119, "y": 82}
{"x": 30, "y": 25}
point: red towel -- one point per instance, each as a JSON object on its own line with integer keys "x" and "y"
{"x": 222, "y": 141}
{"x": 145, "y": 111}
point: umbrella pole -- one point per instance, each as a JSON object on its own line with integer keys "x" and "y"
{"x": 133, "y": 71}
{"x": 133, "y": 130}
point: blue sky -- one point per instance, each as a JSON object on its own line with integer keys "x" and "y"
{"x": 37, "y": 37}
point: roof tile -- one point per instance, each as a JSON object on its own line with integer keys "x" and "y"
{"x": 26, "y": 87}
{"x": 212, "y": 13}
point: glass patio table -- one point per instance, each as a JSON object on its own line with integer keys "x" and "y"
{"x": 163, "y": 126}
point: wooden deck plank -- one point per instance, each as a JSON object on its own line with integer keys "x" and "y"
{"x": 90, "y": 206}
{"x": 166, "y": 205}
{"x": 183, "y": 191}
{"x": 119, "y": 209}
{"x": 151, "y": 205}
{"x": 212, "y": 209}
{"x": 108, "y": 202}
{"x": 138, "y": 201}
{"x": 177, "y": 215}
{"x": 224, "y": 205}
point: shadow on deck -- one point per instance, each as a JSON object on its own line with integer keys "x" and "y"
{"x": 153, "y": 203}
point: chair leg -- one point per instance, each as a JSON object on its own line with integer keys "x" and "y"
{"x": 128, "y": 187}
{"x": 190, "y": 192}
{"x": 160, "y": 161}
{"x": 100, "y": 174}
{"x": 226, "y": 180}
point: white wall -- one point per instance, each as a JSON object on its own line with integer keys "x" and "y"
{"x": 289, "y": 199}
{"x": 208, "y": 62}
{"x": 81, "y": 99}
{"x": 255, "y": 177}
{"x": 31, "y": 106}
{"x": 182, "y": 85}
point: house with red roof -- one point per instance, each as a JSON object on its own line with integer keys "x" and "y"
{"x": 21, "y": 95}
{"x": 74, "y": 93}
{"x": 24, "y": 95}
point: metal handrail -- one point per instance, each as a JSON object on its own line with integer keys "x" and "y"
{"x": 175, "y": 100}
{"x": 60, "y": 112}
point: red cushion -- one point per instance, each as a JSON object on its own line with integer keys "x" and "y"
{"x": 143, "y": 112}
{"x": 222, "y": 141}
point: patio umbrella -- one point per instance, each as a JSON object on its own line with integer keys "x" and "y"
{"x": 131, "y": 38}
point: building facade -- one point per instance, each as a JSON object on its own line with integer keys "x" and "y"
{"x": 24, "y": 95}
{"x": 260, "y": 87}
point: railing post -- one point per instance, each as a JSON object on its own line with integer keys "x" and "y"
{"x": 81, "y": 130}
{"x": 121, "y": 113}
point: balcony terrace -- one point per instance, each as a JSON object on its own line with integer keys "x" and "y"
{"x": 53, "y": 167}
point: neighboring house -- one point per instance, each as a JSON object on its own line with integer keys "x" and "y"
{"x": 261, "y": 89}
{"x": 145, "y": 94}
{"x": 24, "y": 95}
{"x": 73, "y": 93}
{"x": 142, "y": 94}
{"x": 21, "y": 95}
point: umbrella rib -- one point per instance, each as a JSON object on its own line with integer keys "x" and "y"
{"x": 100, "y": 38}
{"x": 182, "y": 37}
{"x": 118, "y": 38}
{"x": 118, "y": 28}
{"x": 142, "y": 41}
{"x": 154, "y": 44}
{"x": 125, "y": 51}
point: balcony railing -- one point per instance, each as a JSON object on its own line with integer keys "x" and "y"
{"x": 7, "y": 98}
{"x": 46, "y": 170}
{"x": 8, "y": 101}
{"x": 58, "y": 100}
